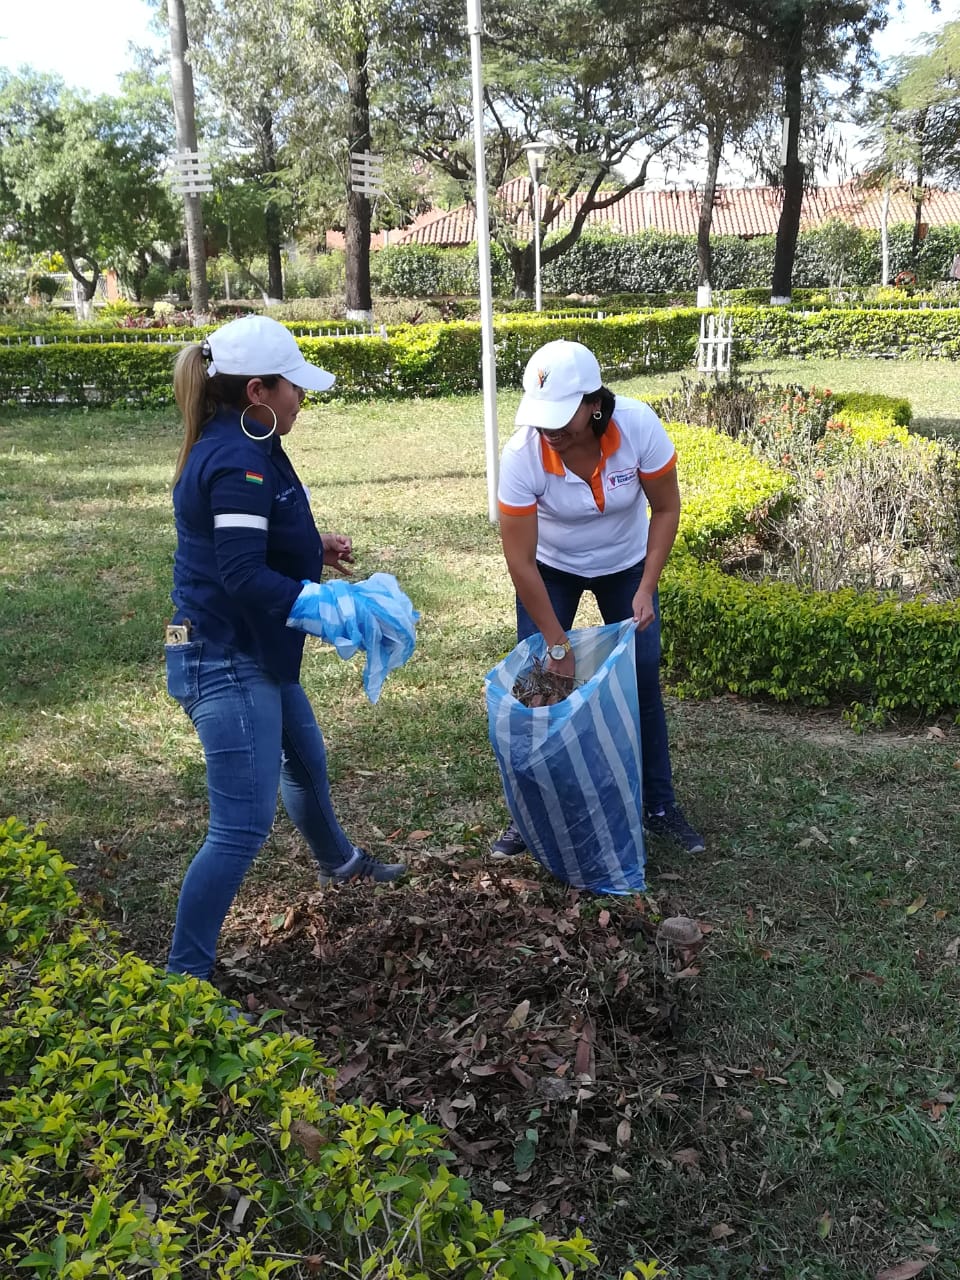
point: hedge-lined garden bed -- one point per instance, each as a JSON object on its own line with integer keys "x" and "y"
{"x": 871, "y": 653}
{"x": 443, "y": 359}
{"x": 145, "y": 1131}
{"x": 413, "y": 360}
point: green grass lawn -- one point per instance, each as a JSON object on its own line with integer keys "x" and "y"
{"x": 814, "y": 1065}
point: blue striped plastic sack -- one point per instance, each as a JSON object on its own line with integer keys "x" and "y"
{"x": 571, "y": 772}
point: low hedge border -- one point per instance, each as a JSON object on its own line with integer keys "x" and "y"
{"x": 445, "y": 359}
{"x": 437, "y": 359}
{"x": 873, "y": 655}
{"x": 145, "y": 1130}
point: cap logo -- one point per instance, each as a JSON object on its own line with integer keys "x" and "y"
{"x": 542, "y": 375}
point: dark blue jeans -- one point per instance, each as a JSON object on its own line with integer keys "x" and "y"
{"x": 257, "y": 734}
{"x": 614, "y": 594}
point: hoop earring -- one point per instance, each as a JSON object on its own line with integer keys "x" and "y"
{"x": 248, "y": 434}
{"x": 597, "y": 415}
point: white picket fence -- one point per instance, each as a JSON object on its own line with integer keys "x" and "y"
{"x": 169, "y": 339}
{"x": 715, "y": 351}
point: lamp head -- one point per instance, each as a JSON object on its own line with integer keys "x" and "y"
{"x": 536, "y": 153}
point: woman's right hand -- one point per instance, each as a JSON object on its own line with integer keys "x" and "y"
{"x": 565, "y": 666}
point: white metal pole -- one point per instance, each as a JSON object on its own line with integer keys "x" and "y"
{"x": 488, "y": 363}
{"x": 538, "y": 304}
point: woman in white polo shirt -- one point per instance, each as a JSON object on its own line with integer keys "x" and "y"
{"x": 575, "y": 483}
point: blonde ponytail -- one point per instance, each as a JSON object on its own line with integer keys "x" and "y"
{"x": 192, "y": 391}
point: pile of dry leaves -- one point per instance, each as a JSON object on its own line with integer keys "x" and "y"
{"x": 540, "y": 687}
{"x": 528, "y": 1019}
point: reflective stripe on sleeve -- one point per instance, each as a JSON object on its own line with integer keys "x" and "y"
{"x": 240, "y": 520}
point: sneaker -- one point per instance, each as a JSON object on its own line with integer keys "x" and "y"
{"x": 510, "y": 844}
{"x": 672, "y": 825}
{"x": 362, "y": 867}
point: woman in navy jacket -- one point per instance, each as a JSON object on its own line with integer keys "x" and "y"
{"x": 246, "y": 545}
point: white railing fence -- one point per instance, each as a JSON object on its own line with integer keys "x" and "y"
{"x": 715, "y": 350}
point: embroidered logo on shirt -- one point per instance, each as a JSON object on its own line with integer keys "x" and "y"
{"x": 619, "y": 478}
{"x": 253, "y": 477}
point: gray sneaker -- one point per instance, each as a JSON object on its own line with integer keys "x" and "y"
{"x": 672, "y": 825}
{"x": 362, "y": 867}
{"x": 509, "y": 844}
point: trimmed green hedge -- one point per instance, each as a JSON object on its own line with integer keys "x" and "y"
{"x": 443, "y": 359}
{"x": 872, "y": 654}
{"x": 437, "y": 359}
{"x": 144, "y": 1130}
{"x": 764, "y": 332}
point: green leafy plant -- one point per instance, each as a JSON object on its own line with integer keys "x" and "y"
{"x": 144, "y": 1129}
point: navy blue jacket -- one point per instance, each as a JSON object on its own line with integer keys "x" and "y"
{"x": 245, "y": 540}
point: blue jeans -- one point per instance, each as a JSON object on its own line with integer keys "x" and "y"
{"x": 257, "y": 733}
{"x": 614, "y": 594}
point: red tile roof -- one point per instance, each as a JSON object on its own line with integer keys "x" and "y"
{"x": 738, "y": 211}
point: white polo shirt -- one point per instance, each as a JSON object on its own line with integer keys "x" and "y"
{"x": 593, "y": 527}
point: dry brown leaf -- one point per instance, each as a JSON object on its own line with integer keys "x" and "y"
{"x": 603, "y": 919}
{"x": 240, "y": 1212}
{"x": 518, "y": 1017}
{"x": 720, "y": 1230}
{"x": 686, "y": 1157}
{"x": 307, "y": 1138}
{"x": 419, "y": 835}
{"x": 916, "y": 905}
{"x": 904, "y": 1270}
{"x": 834, "y": 1087}
{"x": 867, "y": 975}
{"x": 350, "y": 1070}
{"x": 620, "y": 1174}
{"x": 623, "y": 1133}
{"x": 952, "y": 950}
{"x": 315, "y": 1262}
{"x": 584, "y": 1061}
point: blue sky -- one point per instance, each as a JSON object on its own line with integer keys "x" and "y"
{"x": 86, "y": 41}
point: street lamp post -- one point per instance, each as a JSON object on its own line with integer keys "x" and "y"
{"x": 536, "y": 151}
{"x": 488, "y": 360}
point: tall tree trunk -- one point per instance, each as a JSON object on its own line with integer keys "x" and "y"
{"x": 357, "y": 230}
{"x": 793, "y": 171}
{"x": 271, "y": 214}
{"x": 885, "y": 234}
{"x": 918, "y": 191}
{"x": 184, "y": 110}
{"x": 524, "y": 267}
{"x": 715, "y": 131}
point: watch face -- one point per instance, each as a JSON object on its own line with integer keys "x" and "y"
{"x": 557, "y": 651}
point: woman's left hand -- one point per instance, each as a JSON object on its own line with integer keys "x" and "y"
{"x": 643, "y": 611}
{"x": 337, "y": 551}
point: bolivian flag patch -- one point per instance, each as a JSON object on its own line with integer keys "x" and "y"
{"x": 253, "y": 477}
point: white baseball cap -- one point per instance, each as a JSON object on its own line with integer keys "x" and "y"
{"x": 258, "y": 346}
{"x": 556, "y": 379}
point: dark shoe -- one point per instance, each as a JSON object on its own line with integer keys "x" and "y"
{"x": 362, "y": 867}
{"x": 510, "y": 844}
{"x": 672, "y": 825}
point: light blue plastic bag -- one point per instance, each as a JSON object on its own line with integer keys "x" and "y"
{"x": 571, "y": 772}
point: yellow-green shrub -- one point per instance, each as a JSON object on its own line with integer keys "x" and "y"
{"x": 143, "y": 1130}
{"x": 871, "y": 653}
